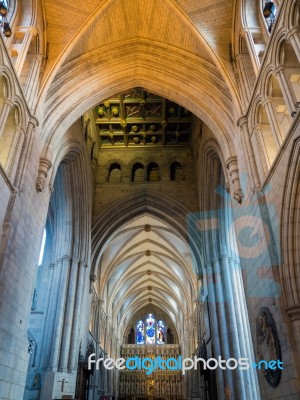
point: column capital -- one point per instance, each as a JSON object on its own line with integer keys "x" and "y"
{"x": 267, "y": 101}
{"x": 278, "y": 69}
{"x": 293, "y": 32}
{"x": 33, "y": 30}
{"x": 7, "y": 102}
{"x": 293, "y": 312}
{"x": 19, "y": 129}
{"x": 33, "y": 122}
{"x": 43, "y": 170}
{"x": 242, "y": 122}
{"x": 232, "y": 166}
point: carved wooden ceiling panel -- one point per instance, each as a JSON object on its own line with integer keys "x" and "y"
{"x": 140, "y": 118}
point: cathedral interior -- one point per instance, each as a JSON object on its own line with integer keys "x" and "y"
{"x": 150, "y": 200}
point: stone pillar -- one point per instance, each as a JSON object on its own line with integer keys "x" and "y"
{"x": 285, "y": 89}
{"x": 243, "y": 327}
{"x": 61, "y": 304}
{"x": 268, "y": 104}
{"x": 242, "y": 386}
{"x": 15, "y": 151}
{"x": 232, "y": 166}
{"x": 198, "y": 321}
{"x": 32, "y": 82}
{"x": 240, "y": 61}
{"x": 74, "y": 345}
{"x": 30, "y": 32}
{"x": 44, "y": 167}
{"x": 41, "y": 350}
{"x": 27, "y": 146}
{"x": 215, "y": 333}
{"x": 263, "y": 155}
{"x": 70, "y": 301}
{"x": 293, "y": 37}
{"x": 7, "y": 105}
{"x": 246, "y": 33}
{"x": 222, "y": 321}
{"x": 243, "y": 124}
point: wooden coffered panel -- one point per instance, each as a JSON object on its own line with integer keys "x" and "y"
{"x": 140, "y": 118}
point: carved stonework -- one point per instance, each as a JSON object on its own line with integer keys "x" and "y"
{"x": 232, "y": 166}
{"x": 258, "y": 137}
{"x": 44, "y": 168}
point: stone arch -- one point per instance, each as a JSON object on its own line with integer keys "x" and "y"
{"x": 290, "y": 232}
{"x": 293, "y": 17}
{"x": 144, "y": 201}
{"x": 153, "y": 172}
{"x": 137, "y": 171}
{"x": 249, "y": 13}
{"x": 162, "y": 78}
{"x": 21, "y": 117}
{"x": 287, "y": 58}
{"x": 176, "y": 171}
{"x": 85, "y": 26}
{"x": 9, "y": 82}
{"x": 114, "y": 172}
{"x": 290, "y": 237}
{"x": 68, "y": 221}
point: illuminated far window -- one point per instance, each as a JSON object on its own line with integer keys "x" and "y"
{"x": 42, "y": 248}
{"x": 140, "y": 332}
{"x": 150, "y": 329}
{"x": 160, "y": 332}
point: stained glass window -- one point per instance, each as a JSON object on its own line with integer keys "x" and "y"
{"x": 160, "y": 332}
{"x": 140, "y": 332}
{"x": 150, "y": 329}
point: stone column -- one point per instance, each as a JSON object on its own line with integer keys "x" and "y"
{"x": 262, "y": 151}
{"x": 232, "y": 166}
{"x": 220, "y": 298}
{"x": 70, "y": 301}
{"x": 14, "y": 153}
{"x": 27, "y": 146}
{"x": 60, "y": 309}
{"x": 243, "y": 124}
{"x": 198, "y": 321}
{"x": 240, "y": 59}
{"x": 32, "y": 82}
{"x": 268, "y": 104}
{"x": 246, "y": 33}
{"x": 41, "y": 350}
{"x": 293, "y": 37}
{"x": 74, "y": 345}
{"x": 30, "y": 32}
{"x": 243, "y": 327}
{"x": 285, "y": 89}
{"x": 244, "y": 389}
{"x": 7, "y": 105}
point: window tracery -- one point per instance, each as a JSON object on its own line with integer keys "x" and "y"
{"x": 149, "y": 331}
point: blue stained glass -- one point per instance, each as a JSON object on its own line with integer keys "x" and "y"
{"x": 150, "y": 329}
{"x": 140, "y": 332}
